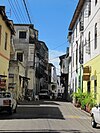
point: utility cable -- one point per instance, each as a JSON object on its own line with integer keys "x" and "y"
{"x": 27, "y": 11}
{"x": 14, "y": 10}
{"x": 20, "y": 11}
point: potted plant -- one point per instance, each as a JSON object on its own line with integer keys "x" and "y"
{"x": 90, "y": 102}
{"x": 77, "y": 96}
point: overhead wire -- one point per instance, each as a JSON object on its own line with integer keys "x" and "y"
{"x": 27, "y": 12}
{"x": 29, "y": 8}
{"x": 87, "y": 28}
{"x": 14, "y": 11}
{"x": 59, "y": 45}
{"x": 16, "y": 2}
{"x": 24, "y": 10}
{"x": 54, "y": 51}
{"x": 20, "y": 11}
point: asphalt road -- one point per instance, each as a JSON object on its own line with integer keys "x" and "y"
{"x": 47, "y": 116}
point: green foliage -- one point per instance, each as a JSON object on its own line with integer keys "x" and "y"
{"x": 84, "y": 99}
{"x": 78, "y": 95}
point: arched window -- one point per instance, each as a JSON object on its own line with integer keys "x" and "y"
{"x": 95, "y": 37}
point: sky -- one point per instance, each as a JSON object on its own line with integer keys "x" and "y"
{"x": 50, "y": 17}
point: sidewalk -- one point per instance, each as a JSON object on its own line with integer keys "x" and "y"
{"x": 87, "y": 113}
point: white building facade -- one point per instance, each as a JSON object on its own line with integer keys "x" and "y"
{"x": 84, "y": 51}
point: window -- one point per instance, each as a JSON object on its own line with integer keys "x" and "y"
{"x": 22, "y": 34}
{"x": 88, "y": 87}
{"x": 76, "y": 30}
{"x": 5, "y": 46}
{"x": 81, "y": 22}
{"x": 73, "y": 84}
{"x": 20, "y": 56}
{"x": 96, "y": 2}
{"x": 76, "y": 55}
{"x": 89, "y": 42}
{"x": 89, "y": 12}
{"x": 95, "y": 88}
{"x": 81, "y": 51}
{"x": 73, "y": 36}
{"x": 79, "y": 81}
{"x": 95, "y": 37}
{"x": 73, "y": 59}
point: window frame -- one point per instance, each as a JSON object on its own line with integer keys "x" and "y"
{"x": 95, "y": 89}
{"x": 89, "y": 42}
{"x": 95, "y": 36}
{"x": 6, "y": 40}
{"x": 21, "y": 36}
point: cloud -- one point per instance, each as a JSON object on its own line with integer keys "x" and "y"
{"x": 54, "y": 59}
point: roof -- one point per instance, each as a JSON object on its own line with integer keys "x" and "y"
{"x": 50, "y": 64}
{"x": 62, "y": 56}
{"x": 8, "y": 22}
{"x": 76, "y": 13}
{"x": 43, "y": 43}
{"x": 31, "y": 25}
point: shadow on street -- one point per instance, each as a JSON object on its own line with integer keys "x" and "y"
{"x": 39, "y": 112}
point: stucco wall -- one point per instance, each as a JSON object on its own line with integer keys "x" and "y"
{"x": 95, "y": 70}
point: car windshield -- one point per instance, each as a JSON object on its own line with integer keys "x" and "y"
{"x": 5, "y": 94}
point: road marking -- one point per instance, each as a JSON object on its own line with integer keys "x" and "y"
{"x": 47, "y": 105}
{"x": 40, "y": 105}
{"x": 28, "y": 106}
{"x": 77, "y": 117}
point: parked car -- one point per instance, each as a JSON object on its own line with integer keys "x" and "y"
{"x": 59, "y": 96}
{"x": 95, "y": 114}
{"x": 7, "y": 102}
{"x": 44, "y": 94}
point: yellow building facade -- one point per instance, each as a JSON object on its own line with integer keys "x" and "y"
{"x": 93, "y": 84}
{"x": 6, "y": 29}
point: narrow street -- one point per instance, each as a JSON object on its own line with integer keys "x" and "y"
{"x": 47, "y": 116}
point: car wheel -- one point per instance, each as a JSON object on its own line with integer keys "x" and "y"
{"x": 15, "y": 109}
{"x": 93, "y": 123}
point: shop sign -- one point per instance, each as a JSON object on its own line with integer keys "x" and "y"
{"x": 86, "y": 77}
{"x": 86, "y": 69}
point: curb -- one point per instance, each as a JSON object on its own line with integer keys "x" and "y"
{"x": 87, "y": 113}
